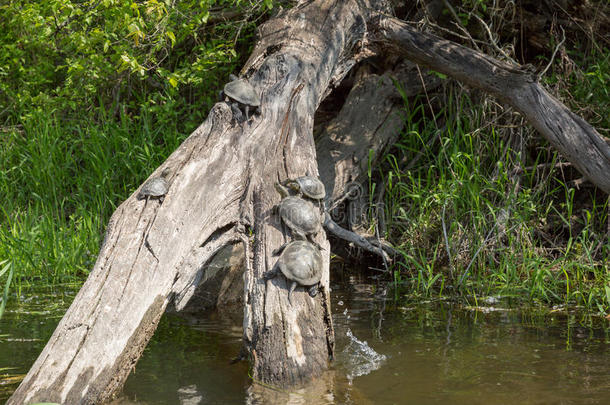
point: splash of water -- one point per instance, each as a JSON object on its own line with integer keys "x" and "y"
{"x": 361, "y": 358}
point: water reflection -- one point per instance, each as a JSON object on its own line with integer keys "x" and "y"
{"x": 25, "y": 327}
{"x": 446, "y": 353}
{"x": 388, "y": 351}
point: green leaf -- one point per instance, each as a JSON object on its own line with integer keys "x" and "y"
{"x": 439, "y": 74}
{"x": 6, "y": 268}
{"x": 171, "y": 36}
{"x": 173, "y": 82}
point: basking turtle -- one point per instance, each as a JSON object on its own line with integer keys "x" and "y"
{"x": 240, "y": 95}
{"x": 299, "y": 215}
{"x": 156, "y": 187}
{"x": 301, "y": 263}
{"x": 308, "y": 186}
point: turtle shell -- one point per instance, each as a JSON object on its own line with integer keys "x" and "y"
{"x": 155, "y": 187}
{"x": 301, "y": 261}
{"x": 300, "y": 215}
{"x": 312, "y": 187}
{"x": 242, "y": 91}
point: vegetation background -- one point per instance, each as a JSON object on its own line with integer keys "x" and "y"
{"x": 95, "y": 94}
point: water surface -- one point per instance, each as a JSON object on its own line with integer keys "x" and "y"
{"x": 386, "y": 353}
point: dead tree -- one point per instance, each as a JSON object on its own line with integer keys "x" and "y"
{"x": 222, "y": 197}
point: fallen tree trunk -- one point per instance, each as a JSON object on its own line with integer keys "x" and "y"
{"x": 221, "y": 197}
{"x": 368, "y": 123}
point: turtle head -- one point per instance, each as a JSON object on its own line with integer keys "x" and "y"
{"x": 294, "y": 185}
{"x": 165, "y": 172}
{"x": 282, "y": 190}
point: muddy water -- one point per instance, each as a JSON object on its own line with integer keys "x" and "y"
{"x": 387, "y": 353}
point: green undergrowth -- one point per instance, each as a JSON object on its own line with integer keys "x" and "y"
{"x": 490, "y": 209}
{"x": 62, "y": 181}
{"x": 94, "y": 95}
{"x": 120, "y": 55}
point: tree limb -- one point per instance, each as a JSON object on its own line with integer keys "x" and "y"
{"x": 572, "y": 136}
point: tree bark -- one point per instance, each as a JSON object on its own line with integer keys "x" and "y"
{"x": 369, "y": 122}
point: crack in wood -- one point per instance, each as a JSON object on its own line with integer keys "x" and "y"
{"x": 328, "y": 320}
{"x": 259, "y": 237}
{"x": 78, "y": 325}
{"x": 218, "y": 233}
{"x": 150, "y": 249}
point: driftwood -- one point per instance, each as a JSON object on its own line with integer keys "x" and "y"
{"x": 221, "y": 200}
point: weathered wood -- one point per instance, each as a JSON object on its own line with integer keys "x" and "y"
{"x": 369, "y": 122}
{"x": 354, "y": 238}
{"x": 221, "y": 193}
{"x": 572, "y": 136}
{"x": 221, "y": 287}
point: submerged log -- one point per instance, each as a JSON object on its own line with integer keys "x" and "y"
{"x": 221, "y": 197}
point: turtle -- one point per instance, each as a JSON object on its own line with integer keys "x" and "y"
{"x": 300, "y": 216}
{"x": 240, "y": 95}
{"x": 301, "y": 263}
{"x": 308, "y": 186}
{"x": 156, "y": 187}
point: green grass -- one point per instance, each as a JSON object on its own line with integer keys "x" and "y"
{"x": 61, "y": 181}
{"x": 95, "y": 98}
{"x": 465, "y": 228}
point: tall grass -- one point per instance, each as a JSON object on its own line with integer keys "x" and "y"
{"x": 61, "y": 181}
{"x": 490, "y": 209}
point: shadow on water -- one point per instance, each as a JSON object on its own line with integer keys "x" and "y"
{"x": 386, "y": 353}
